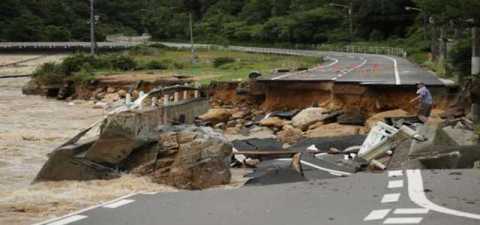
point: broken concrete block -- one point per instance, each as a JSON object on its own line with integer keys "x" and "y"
{"x": 66, "y": 164}
{"x": 122, "y": 133}
{"x": 459, "y": 136}
{"x": 308, "y": 117}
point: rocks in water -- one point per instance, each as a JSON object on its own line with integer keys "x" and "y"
{"x": 63, "y": 164}
{"x": 214, "y": 116}
{"x": 308, "y": 117}
{"x": 122, "y": 133}
{"x": 187, "y": 157}
{"x": 201, "y": 159}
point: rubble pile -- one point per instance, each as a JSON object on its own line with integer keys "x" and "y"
{"x": 187, "y": 157}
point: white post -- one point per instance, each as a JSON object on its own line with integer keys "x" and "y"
{"x": 154, "y": 102}
{"x": 165, "y": 99}
{"x": 176, "y": 97}
{"x": 185, "y": 95}
{"x": 197, "y": 94}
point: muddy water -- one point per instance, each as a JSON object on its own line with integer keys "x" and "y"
{"x": 30, "y": 127}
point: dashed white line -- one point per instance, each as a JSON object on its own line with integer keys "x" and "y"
{"x": 406, "y": 220}
{"x": 377, "y": 214}
{"x": 395, "y": 184}
{"x": 411, "y": 211}
{"x": 395, "y": 173}
{"x": 118, "y": 204}
{"x": 388, "y": 198}
{"x": 68, "y": 220}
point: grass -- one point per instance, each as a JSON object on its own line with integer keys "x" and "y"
{"x": 218, "y": 65}
{"x": 244, "y": 63}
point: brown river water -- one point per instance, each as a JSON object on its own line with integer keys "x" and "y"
{"x": 31, "y": 127}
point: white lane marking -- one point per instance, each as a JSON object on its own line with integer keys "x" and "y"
{"x": 86, "y": 209}
{"x": 118, "y": 204}
{"x": 395, "y": 184}
{"x": 333, "y": 172}
{"x": 377, "y": 214}
{"x": 406, "y": 220}
{"x": 417, "y": 195}
{"x": 395, "y": 69}
{"x": 68, "y": 220}
{"x": 388, "y": 198}
{"x": 335, "y": 61}
{"x": 395, "y": 173}
{"x": 411, "y": 211}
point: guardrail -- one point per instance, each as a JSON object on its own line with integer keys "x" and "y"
{"x": 399, "y": 52}
{"x": 125, "y": 45}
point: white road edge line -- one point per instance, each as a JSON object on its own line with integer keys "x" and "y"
{"x": 68, "y": 220}
{"x": 395, "y": 69}
{"x": 405, "y": 220}
{"x": 417, "y": 195}
{"x": 411, "y": 211}
{"x": 119, "y": 204}
{"x": 335, "y": 61}
{"x": 395, "y": 184}
{"x": 333, "y": 172}
{"x": 86, "y": 209}
{"x": 377, "y": 214}
{"x": 388, "y": 198}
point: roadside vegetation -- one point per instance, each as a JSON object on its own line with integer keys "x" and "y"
{"x": 159, "y": 60}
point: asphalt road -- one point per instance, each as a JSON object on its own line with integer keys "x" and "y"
{"x": 367, "y": 69}
{"x": 393, "y": 197}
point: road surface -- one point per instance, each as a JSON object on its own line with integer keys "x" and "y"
{"x": 394, "y": 197}
{"x": 367, "y": 69}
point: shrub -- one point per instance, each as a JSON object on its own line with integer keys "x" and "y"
{"x": 218, "y": 62}
{"x": 49, "y": 73}
{"x": 122, "y": 62}
{"x": 74, "y": 63}
{"x": 156, "y": 65}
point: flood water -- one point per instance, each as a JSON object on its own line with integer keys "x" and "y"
{"x": 31, "y": 127}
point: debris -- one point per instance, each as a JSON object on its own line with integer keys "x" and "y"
{"x": 333, "y": 130}
{"x": 215, "y": 116}
{"x": 272, "y": 122}
{"x": 378, "y": 165}
{"x": 290, "y": 134}
{"x": 383, "y": 138}
{"x": 352, "y": 118}
{"x": 380, "y": 117}
{"x": 308, "y": 117}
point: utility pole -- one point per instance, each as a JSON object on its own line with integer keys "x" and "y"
{"x": 475, "y": 50}
{"x": 425, "y": 19}
{"x": 194, "y": 57}
{"x": 350, "y": 16}
{"x": 92, "y": 28}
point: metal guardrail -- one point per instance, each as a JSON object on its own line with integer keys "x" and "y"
{"x": 399, "y": 52}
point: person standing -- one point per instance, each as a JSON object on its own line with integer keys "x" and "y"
{"x": 426, "y": 102}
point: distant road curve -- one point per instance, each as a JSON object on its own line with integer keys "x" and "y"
{"x": 366, "y": 69}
